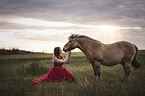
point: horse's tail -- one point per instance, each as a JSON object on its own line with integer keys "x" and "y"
{"x": 135, "y": 63}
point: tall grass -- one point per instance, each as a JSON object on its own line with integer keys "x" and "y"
{"x": 16, "y": 76}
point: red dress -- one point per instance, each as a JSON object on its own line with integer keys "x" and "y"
{"x": 56, "y": 74}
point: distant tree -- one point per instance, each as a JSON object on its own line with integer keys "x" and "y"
{"x": 13, "y": 48}
{"x": 3, "y": 51}
{"x": 44, "y": 51}
{"x": 3, "y": 48}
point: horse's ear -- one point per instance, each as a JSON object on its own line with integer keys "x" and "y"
{"x": 73, "y": 35}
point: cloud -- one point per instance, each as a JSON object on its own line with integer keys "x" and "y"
{"x": 57, "y": 31}
{"x": 53, "y": 20}
{"x": 34, "y": 22}
{"x": 80, "y": 11}
{"x": 54, "y": 24}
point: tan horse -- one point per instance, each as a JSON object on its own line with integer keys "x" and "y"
{"x": 106, "y": 54}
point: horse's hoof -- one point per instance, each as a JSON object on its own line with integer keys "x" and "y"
{"x": 100, "y": 78}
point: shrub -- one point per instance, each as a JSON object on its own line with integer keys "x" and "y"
{"x": 33, "y": 69}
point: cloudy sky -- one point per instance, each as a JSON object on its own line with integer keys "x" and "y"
{"x": 38, "y": 25}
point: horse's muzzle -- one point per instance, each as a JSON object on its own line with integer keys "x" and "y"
{"x": 64, "y": 49}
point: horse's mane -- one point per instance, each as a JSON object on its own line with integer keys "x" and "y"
{"x": 79, "y": 36}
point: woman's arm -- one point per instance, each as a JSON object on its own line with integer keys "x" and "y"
{"x": 65, "y": 60}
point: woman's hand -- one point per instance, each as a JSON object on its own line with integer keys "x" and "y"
{"x": 69, "y": 53}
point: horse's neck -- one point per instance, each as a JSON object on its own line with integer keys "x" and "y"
{"x": 85, "y": 45}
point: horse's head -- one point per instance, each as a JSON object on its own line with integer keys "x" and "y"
{"x": 71, "y": 44}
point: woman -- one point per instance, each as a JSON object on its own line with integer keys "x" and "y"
{"x": 57, "y": 73}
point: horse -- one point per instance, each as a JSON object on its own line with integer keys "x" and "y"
{"x": 98, "y": 53}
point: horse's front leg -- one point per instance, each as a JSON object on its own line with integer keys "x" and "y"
{"x": 97, "y": 67}
{"x": 94, "y": 68}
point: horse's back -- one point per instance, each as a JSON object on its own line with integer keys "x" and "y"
{"x": 126, "y": 47}
{"x": 115, "y": 52}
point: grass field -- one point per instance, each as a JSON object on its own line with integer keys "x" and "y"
{"x": 17, "y": 71}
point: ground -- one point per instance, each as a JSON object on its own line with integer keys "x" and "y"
{"x": 17, "y": 71}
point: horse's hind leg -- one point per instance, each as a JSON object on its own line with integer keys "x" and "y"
{"x": 126, "y": 67}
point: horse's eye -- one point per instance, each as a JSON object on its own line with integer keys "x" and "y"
{"x": 70, "y": 41}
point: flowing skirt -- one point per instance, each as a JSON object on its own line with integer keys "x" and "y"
{"x": 55, "y": 74}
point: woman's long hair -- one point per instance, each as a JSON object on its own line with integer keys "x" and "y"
{"x": 57, "y": 53}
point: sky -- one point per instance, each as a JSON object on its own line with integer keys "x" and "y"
{"x": 42, "y": 25}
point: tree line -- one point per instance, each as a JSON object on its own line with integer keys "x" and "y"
{"x": 13, "y": 51}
